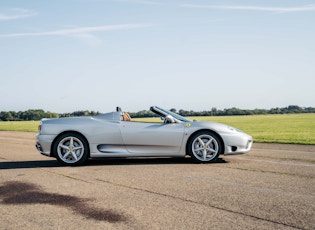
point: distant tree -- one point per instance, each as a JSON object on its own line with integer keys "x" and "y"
{"x": 183, "y": 112}
{"x": 51, "y": 115}
{"x": 6, "y": 116}
{"x": 309, "y": 110}
{"x": 142, "y": 113}
{"x": 294, "y": 109}
{"x": 214, "y": 111}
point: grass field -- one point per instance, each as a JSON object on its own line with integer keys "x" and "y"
{"x": 293, "y": 128}
{"x": 26, "y": 126}
{"x": 288, "y": 128}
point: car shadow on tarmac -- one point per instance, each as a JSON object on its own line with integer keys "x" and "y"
{"x": 28, "y": 164}
{"x": 101, "y": 162}
{"x": 22, "y": 193}
{"x": 145, "y": 161}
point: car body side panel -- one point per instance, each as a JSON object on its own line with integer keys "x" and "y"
{"x": 235, "y": 141}
{"x": 105, "y": 133}
{"x": 150, "y": 139}
{"x": 96, "y": 130}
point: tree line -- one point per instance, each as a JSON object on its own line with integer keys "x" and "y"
{"x": 37, "y": 114}
{"x": 231, "y": 112}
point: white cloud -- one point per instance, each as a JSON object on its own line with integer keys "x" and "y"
{"x": 253, "y": 8}
{"x": 16, "y": 13}
{"x": 143, "y": 2}
{"x": 78, "y": 31}
{"x": 88, "y": 38}
{"x": 85, "y": 33}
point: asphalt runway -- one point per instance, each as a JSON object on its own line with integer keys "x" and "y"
{"x": 272, "y": 187}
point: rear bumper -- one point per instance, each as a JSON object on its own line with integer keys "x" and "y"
{"x": 40, "y": 149}
{"x": 43, "y": 144}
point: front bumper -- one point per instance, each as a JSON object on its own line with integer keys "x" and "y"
{"x": 238, "y": 149}
{"x": 238, "y": 143}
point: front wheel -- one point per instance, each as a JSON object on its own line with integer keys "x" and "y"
{"x": 71, "y": 149}
{"x": 205, "y": 146}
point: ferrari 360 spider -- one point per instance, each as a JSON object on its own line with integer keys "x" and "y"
{"x": 73, "y": 140}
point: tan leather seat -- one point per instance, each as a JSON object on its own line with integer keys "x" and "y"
{"x": 126, "y": 117}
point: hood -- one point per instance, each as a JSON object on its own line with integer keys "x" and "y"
{"x": 215, "y": 126}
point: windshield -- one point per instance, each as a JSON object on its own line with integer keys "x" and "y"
{"x": 175, "y": 115}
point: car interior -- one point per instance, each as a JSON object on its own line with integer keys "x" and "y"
{"x": 125, "y": 116}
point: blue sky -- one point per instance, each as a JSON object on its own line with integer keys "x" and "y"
{"x": 69, "y": 55}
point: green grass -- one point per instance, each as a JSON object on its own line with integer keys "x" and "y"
{"x": 286, "y": 128}
{"x": 25, "y": 126}
{"x": 293, "y": 128}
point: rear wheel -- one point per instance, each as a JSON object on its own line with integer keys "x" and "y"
{"x": 71, "y": 149}
{"x": 205, "y": 146}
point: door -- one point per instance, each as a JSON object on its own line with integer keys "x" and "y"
{"x": 152, "y": 138}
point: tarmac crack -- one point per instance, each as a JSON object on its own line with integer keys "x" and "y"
{"x": 272, "y": 172}
{"x": 276, "y": 162}
{"x": 284, "y": 158}
{"x": 198, "y": 203}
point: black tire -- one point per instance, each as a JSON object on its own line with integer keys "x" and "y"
{"x": 71, "y": 149}
{"x": 204, "y": 147}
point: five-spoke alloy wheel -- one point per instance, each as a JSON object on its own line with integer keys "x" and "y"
{"x": 205, "y": 146}
{"x": 71, "y": 149}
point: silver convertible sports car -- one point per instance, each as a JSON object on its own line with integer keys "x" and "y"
{"x": 73, "y": 140}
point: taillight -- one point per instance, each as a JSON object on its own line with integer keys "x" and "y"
{"x": 39, "y": 128}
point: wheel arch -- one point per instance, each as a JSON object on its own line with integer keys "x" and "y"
{"x": 52, "y": 153}
{"x": 204, "y": 130}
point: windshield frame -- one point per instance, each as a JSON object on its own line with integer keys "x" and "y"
{"x": 166, "y": 112}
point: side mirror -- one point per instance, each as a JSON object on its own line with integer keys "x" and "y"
{"x": 169, "y": 119}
